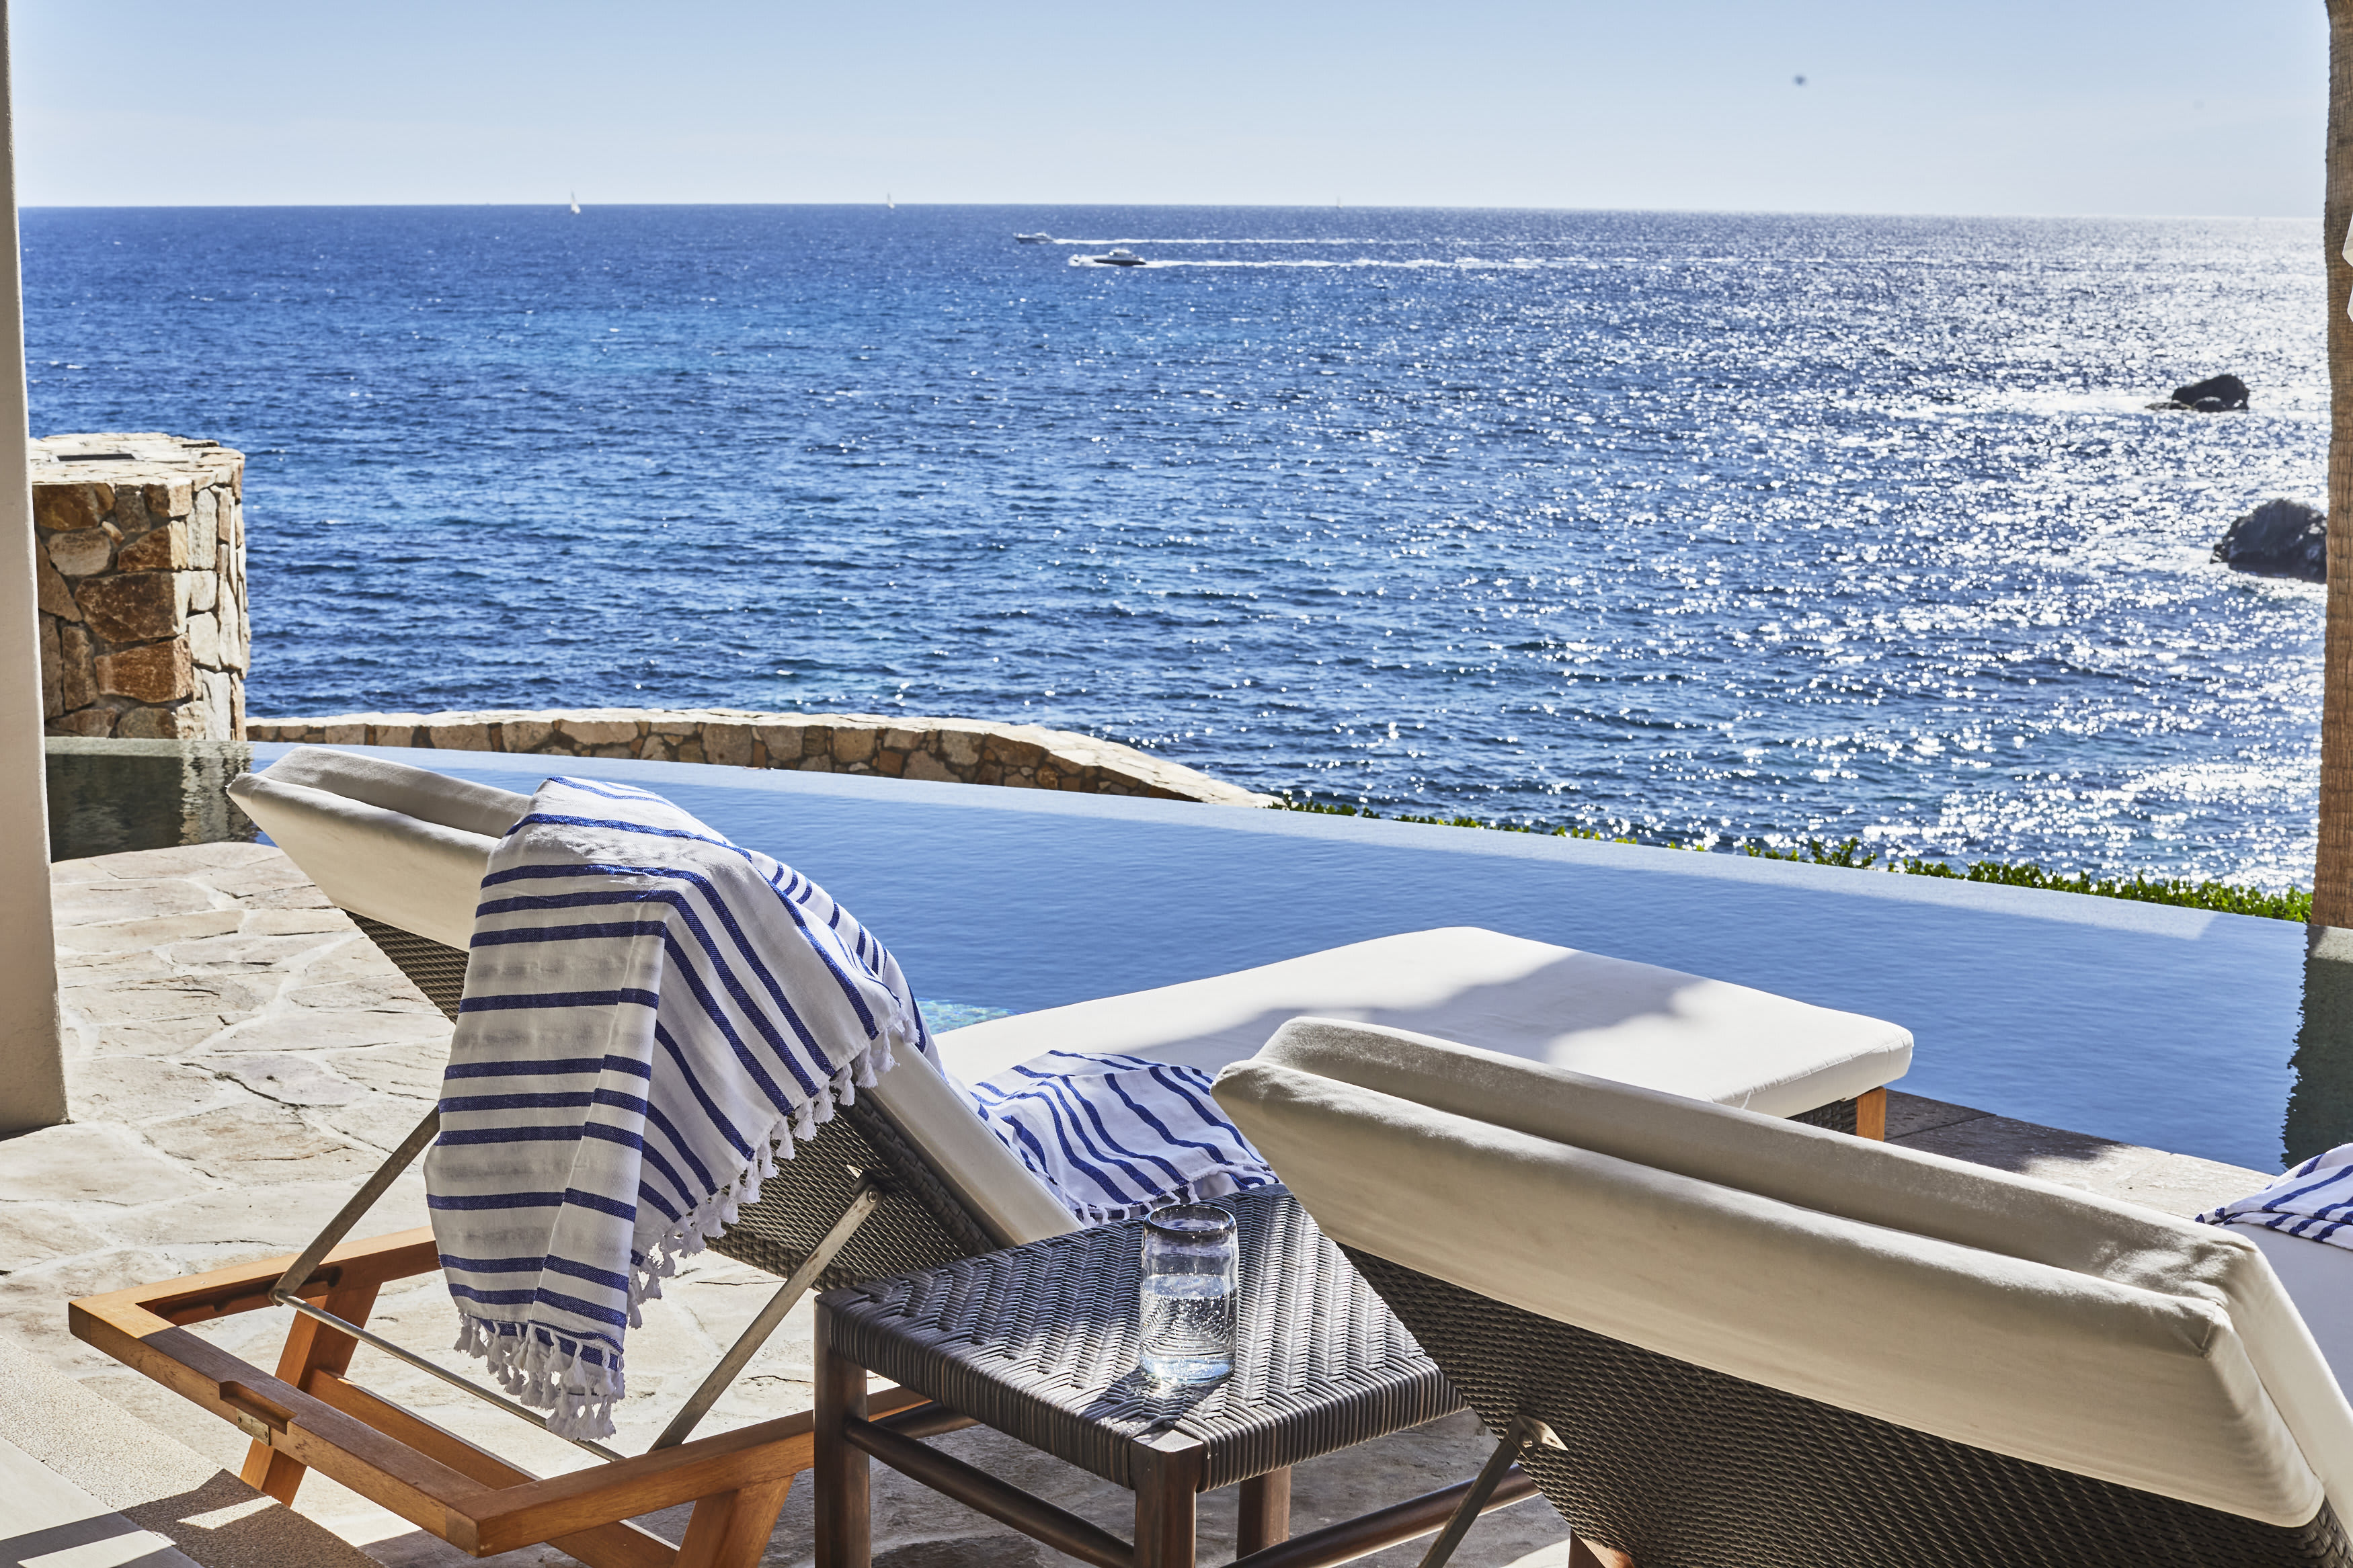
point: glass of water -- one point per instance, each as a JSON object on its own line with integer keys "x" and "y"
{"x": 1188, "y": 1294}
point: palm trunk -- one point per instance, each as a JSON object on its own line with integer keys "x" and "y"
{"x": 2332, "y": 886}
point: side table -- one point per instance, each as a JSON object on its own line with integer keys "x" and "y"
{"x": 1040, "y": 1343}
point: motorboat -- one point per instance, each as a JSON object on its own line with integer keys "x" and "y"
{"x": 1035, "y": 239}
{"x": 1109, "y": 259}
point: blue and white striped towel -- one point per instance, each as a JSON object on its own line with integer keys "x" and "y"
{"x": 1114, "y": 1136}
{"x": 2313, "y": 1200}
{"x": 652, "y": 1015}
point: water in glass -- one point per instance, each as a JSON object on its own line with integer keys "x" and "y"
{"x": 1188, "y": 1295}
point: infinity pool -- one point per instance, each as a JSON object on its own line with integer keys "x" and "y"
{"x": 2206, "y": 1034}
{"x": 2174, "y": 1029}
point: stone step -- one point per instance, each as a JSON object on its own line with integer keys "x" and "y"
{"x": 47, "y": 1516}
{"x": 83, "y": 1481}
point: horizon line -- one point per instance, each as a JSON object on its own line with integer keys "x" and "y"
{"x": 564, "y": 206}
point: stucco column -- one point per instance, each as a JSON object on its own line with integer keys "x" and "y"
{"x": 32, "y": 1063}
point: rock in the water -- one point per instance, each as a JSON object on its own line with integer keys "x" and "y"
{"x": 2278, "y": 539}
{"x": 2215, "y": 395}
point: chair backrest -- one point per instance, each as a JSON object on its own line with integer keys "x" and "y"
{"x": 406, "y": 849}
{"x": 1741, "y": 1327}
{"x": 400, "y": 845}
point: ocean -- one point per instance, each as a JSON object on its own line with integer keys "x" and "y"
{"x": 1691, "y": 527}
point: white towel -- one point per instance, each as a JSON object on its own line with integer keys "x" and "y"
{"x": 651, "y": 1016}
{"x": 2313, "y": 1200}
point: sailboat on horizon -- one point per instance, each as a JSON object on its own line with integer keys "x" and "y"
{"x": 888, "y": 205}
{"x": 575, "y": 204}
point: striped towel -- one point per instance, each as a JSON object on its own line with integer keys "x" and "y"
{"x": 2313, "y": 1200}
{"x": 1113, "y": 1137}
{"x": 651, "y": 1016}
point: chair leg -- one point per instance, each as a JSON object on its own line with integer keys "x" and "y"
{"x": 1265, "y": 1512}
{"x": 844, "y": 1531}
{"x": 311, "y": 1346}
{"x": 732, "y": 1529}
{"x": 1583, "y": 1553}
{"x": 1871, "y": 1114}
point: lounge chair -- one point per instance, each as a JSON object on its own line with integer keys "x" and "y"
{"x": 906, "y": 1178}
{"x": 1720, "y": 1341}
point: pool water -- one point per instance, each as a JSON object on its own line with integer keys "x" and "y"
{"x": 941, "y": 1016}
{"x": 107, "y": 796}
{"x": 2187, "y": 1030}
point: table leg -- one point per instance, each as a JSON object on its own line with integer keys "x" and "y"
{"x": 1265, "y": 1512}
{"x": 845, "y": 1537}
{"x": 1167, "y": 1477}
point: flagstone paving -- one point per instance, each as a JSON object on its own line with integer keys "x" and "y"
{"x": 240, "y": 1056}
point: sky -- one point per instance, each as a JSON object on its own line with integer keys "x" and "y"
{"x": 2061, "y": 106}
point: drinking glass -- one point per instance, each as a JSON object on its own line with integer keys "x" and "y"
{"x": 1188, "y": 1294}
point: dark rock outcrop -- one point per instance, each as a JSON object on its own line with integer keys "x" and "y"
{"x": 2278, "y": 539}
{"x": 2215, "y": 395}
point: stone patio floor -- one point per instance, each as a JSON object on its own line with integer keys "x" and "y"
{"x": 239, "y": 1058}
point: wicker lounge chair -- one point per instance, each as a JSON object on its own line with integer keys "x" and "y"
{"x": 1718, "y": 1341}
{"x": 906, "y": 1178}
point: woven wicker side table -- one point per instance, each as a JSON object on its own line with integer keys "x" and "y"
{"x": 1040, "y": 1343}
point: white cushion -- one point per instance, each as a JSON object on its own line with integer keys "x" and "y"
{"x": 398, "y": 844}
{"x": 2318, "y": 1278}
{"x": 420, "y": 793}
{"x": 938, "y": 1119}
{"x": 1607, "y": 1017}
{"x": 409, "y": 847}
{"x": 2013, "y": 1315}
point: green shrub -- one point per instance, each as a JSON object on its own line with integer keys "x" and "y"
{"x": 2228, "y": 897}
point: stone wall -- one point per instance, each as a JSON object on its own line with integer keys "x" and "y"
{"x": 961, "y": 751}
{"x": 141, "y": 563}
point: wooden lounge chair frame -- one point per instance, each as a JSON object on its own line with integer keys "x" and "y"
{"x": 308, "y": 1416}
{"x": 890, "y": 1213}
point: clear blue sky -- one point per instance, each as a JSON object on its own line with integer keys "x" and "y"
{"x": 2062, "y": 107}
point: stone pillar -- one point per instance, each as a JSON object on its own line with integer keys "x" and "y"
{"x": 144, "y": 630}
{"x": 32, "y": 1065}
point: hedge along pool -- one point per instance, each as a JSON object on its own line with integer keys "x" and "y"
{"x": 2170, "y": 1027}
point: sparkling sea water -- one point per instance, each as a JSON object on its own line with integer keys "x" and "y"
{"x": 1688, "y": 526}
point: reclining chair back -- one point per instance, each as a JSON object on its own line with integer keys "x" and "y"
{"x": 403, "y": 851}
{"x": 1756, "y": 1343}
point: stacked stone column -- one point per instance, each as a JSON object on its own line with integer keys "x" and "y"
{"x": 142, "y": 577}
